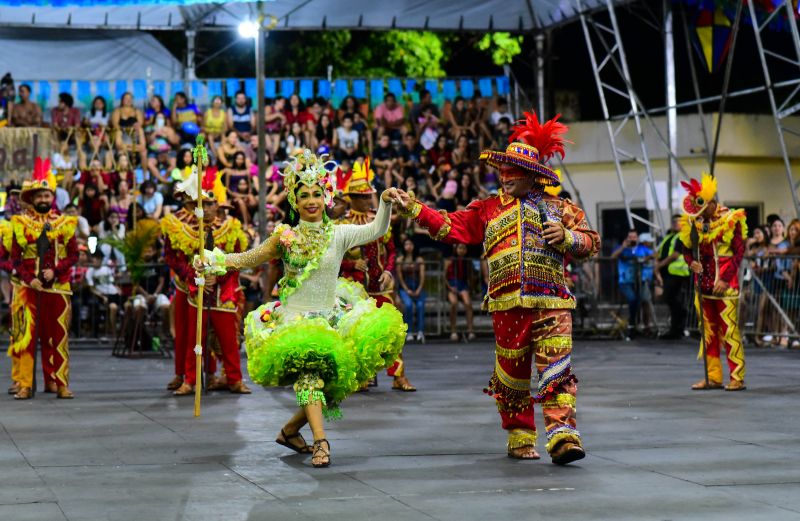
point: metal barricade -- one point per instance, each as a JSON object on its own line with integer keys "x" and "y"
{"x": 769, "y": 303}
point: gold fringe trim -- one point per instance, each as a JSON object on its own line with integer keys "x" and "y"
{"x": 561, "y": 400}
{"x": 560, "y": 437}
{"x": 518, "y": 438}
{"x": 510, "y": 354}
{"x": 536, "y": 302}
{"x": 554, "y": 342}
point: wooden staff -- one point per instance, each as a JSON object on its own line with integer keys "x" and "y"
{"x": 200, "y": 156}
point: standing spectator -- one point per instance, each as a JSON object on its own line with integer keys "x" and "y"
{"x": 83, "y": 229}
{"x": 241, "y": 117}
{"x": 757, "y": 251}
{"x": 100, "y": 279}
{"x": 7, "y": 96}
{"x": 345, "y": 140}
{"x": 646, "y": 288}
{"x": 98, "y": 116}
{"x": 152, "y": 201}
{"x": 411, "y": 277}
{"x": 631, "y": 255}
{"x": 674, "y": 274}
{"x": 25, "y": 112}
{"x": 390, "y": 118}
{"x": 459, "y": 273}
{"x": 385, "y": 159}
{"x": 215, "y": 122}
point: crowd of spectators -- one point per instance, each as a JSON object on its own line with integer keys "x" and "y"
{"x": 113, "y": 160}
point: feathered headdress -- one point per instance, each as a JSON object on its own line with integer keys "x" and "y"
{"x": 698, "y": 195}
{"x": 360, "y": 180}
{"x": 213, "y": 188}
{"x": 531, "y": 145}
{"x": 42, "y": 179}
{"x": 307, "y": 169}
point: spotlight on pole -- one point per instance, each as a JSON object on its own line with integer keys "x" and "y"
{"x": 248, "y": 29}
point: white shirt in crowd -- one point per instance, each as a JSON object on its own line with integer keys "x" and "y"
{"x": 102, "y": 279}
{"x": 495, "y": 117}
{"x": 347, "y": 139}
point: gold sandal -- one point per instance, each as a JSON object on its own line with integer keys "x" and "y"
{"x": 401, "y": 383}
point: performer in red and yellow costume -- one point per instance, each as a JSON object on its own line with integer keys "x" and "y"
{"x": 176, "y": 228}
{"x": 6, "y": 236}
{"x": 720, "y": 234}
{"x": 223, "y": 294}
{"x": 43, "y": 251}
{"x": 526, "y": 234}
{"x": 372, "y": 264}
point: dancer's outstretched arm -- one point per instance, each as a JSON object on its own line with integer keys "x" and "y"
{"x": 266, "y": 251}
{"x": 357, "y": 234}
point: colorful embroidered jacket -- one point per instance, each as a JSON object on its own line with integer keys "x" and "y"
{"x": 380, "y": 256}
{"x": 61, "y": 256}
{"x": 6, "y": 238}
{"x": 523, "y": 270}
{"x": 181, "y": 245}
{"x": 721, "y": 248}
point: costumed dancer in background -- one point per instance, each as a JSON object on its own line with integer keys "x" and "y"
{"x": 223, "y": 293}
{"x": 43, "y": 251}
{"x": 526, "y": 235}
{"x": 372, "y": 264}
{"x": 713, "y": 237}
{"x": 324, "y": 336}
{"x": 6, "y": 236}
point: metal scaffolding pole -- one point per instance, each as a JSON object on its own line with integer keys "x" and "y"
{"x": 786, "y": 107}
{"x": 615, "y": 54}
{"x": 672, "y": 113}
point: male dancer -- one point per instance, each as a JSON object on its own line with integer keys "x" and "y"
{"x": 223, "y": 293}
{"x": 371, "y": 264}
{"x": 43, "y": 250}
{"x": 526, "y": 234}
{"x": 713, "y": 238}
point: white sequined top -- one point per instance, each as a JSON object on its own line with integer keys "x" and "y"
{"x": 318, "y": 291}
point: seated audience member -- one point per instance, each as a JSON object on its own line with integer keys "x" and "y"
{"x": 460, "y": 120}
{"x": 441, "y": 154}
{"x": 65, "y": 118}
{"x": 241, "y": 118}
{"x": 26, "y": 113}
{"x": 324, "y": 132}
{"x": 111, "y": 228}
{"x": 428, "y": 127}
{"x": 349, "y": 105}
{"x": 83, "y": 230}
{"x": 459, "y": 274}
{"x": 121, "y": 200}
{"x": 411, "y": 278}
{"x": 151, "y": 291}
{"x": 152, "y": 200}
{"x": 93, "y": 206}
{"x": 185, "y": 118}
{"x": 228, "y": 149}
{"x": 390, "y": 118}
{"x": 102, "y": 283}
{"x": 128, "y": 124}
{"x": 461, "y": 153}
{"x": 296, "y": 138}
{"x": 411, "y": 153}
{"x": 274, "y": 123}
{"x": 7, "y": 96}
{"x": 386, "y": 162}
{"x": 215, "y": 122}
{"x": 97, "y": 116}
{"x": 346, "y": 140}
{"x": 425, "y": 101}
{"x": 239, "y": 185}
{"x": 364, "y": 133}
{"x": 502, "y": 131}
{"x": 501, "y": 111}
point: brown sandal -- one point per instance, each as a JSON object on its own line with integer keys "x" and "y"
{"x": 321, "y": 453}
{"x": 516, "y": 453}
{"x": 305, "y": 449}
{"x": 401, "y": 383}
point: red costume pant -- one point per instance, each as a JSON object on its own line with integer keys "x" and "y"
{"x": 544, "y": 337}
{"x": 226, "y": 328}
{"x": 720, "y": 318}
{"x": 53, "y": 330}
{"x": 182, "y": 330}
{"x": 398, "y": 368}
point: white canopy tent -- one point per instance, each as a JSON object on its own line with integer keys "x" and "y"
{"x": 40, "y": 54}
{"x": 479, "y": 15}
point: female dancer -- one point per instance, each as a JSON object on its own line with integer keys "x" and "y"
{"x": 324, "y": 336}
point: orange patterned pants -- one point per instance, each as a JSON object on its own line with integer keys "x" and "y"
{"x": 544, "y": 337}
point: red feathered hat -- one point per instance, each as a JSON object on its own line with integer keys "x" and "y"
{"x": 531, "y": 145}
{"x": 42, "y": 179}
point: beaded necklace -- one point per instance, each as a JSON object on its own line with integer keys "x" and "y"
{"x": 302, "y": 247}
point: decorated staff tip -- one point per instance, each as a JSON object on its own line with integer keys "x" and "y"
{"x": 200, "y": 152}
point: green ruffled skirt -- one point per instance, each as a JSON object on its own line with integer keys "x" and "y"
{"x": 326, "y": 355}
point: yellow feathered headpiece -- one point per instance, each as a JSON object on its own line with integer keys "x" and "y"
{"x": 42, "y": 179}
{"x": 554, "y": 190}
{"x": 360, "y": 181}
{"x": 698, "y": 195}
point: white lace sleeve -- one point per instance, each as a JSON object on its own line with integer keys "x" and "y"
{"x": 353, "y": 235}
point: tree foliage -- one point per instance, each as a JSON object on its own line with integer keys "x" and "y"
{"x": 502, "y": 46}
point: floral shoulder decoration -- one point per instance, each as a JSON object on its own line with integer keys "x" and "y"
{"x": 302, "y": 249}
